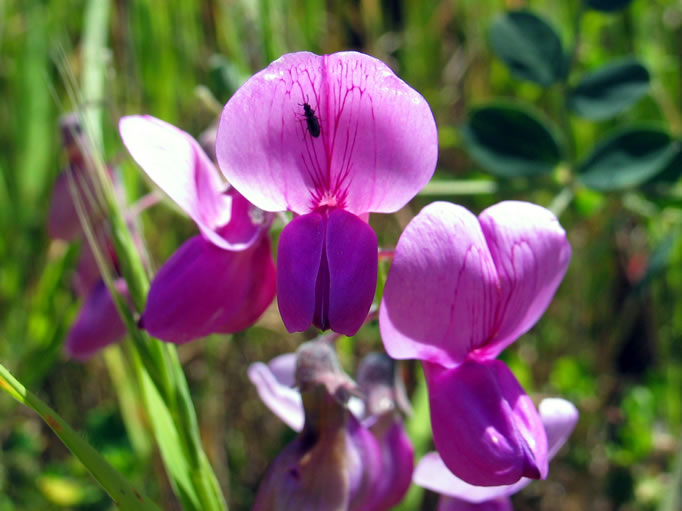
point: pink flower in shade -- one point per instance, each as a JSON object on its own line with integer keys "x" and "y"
{"x": 330, "y": 138}
{"x": 459, "y": 291}
{"x": 379, "y": 455}
{"x": 62, "y": 221}
{"x": 559, "y": 418}
{"x": 222, "y": 280}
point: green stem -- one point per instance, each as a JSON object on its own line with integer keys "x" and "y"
{"x": 453, "y": 187}
{"x": 119, "y": 489}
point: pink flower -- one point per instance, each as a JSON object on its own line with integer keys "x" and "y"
{"x": 459, "y": 291}
{"x": 222, "y": 280}
{"x": 330, "y": 138}
{"x": 559, "y": 418}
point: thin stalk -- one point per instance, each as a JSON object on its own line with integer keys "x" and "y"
{"x": 464, "y": 187}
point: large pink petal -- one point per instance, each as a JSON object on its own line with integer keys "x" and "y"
{"x": 98, "y": 323}
{"x": 352, "y": 256}
{"x": 203, "y": 289}
{"x": 377, "y": 145}
{"x": 442, "y": 291}
{"x": 485, "y": 426}
{"x": 176, "y": 163}
{"x": 298, "y": 263}
{"x": 531, "y": 255}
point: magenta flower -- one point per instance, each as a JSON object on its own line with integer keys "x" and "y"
{"x": 377, "y": 436}
{"x": 559, "y": 418}
{"x": 330, "y": 138}
{"x": 222, "y": 280}
{"x": 459, "y": 291}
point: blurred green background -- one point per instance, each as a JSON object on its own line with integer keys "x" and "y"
{"x": 611, "y": 342}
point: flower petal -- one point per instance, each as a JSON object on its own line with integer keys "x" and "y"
{"x": 531, "y": 255}
{"x": 203, "y": 289}
{"x": 282, "y": 400}
{"x": 376, "y": 146}
{"x": 283, "y": 368}
{"x": 441, "y": 293}
{"x": 352, "y": 255}
{"x": 485, "y": 426}
{"x": 459, "y": 286}
{"x": 397, "y": 465}
{"x": 432, "y": 474}
{"x": 176, "y": 163}
{"x": 98, "y": 323}
{"x": 262, "y": 279}
{"x": 364, "y": 465}
{"x": 559, "y": 418}
{"x": 298, "y": 262}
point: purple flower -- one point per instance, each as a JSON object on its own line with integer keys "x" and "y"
{"x": 559, "y": 418}
{"x": 334, "y": 463}
{"x": 222, "y": 280}
{"x": 459, "y": 291}
{"x": 330, "y": 138}
{"x": 380, "y": 454}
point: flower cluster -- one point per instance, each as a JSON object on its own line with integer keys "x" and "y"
{"x": 324, "y": 141}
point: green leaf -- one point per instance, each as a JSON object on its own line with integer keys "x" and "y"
{"x": 529, "y": 46}
{"x": 628, "y": 158}
{"x": 610, "y": 90}
{"x": 510, "y": 140}
{"x": 124, "y": 495}
{"x": 608, "y": 5}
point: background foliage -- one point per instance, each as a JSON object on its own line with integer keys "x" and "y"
{"x": 574, "y": 108}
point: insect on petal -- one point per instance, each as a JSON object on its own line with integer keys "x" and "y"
{"x": 376, "y": 146}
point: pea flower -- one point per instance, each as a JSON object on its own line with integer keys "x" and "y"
{"x": 330, "y": 138}
{"x": 559, "y": 418}
{"x": 334, "y": 462}
{"x": 374, "y": 426}
{"x": 222, "y": 280}
{"x": 459, "y": 291}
